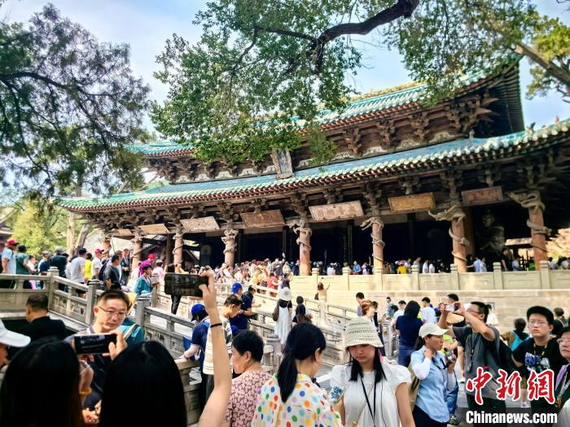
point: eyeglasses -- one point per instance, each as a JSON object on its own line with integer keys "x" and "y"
{"x": 112, "y": 313}
{"x": 537, "y": 322}
{"x": 473, "y": 311}
{"x": 563, "y": 340}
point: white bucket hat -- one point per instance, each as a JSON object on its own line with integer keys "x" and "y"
{"x": 431, "y": 329}
{"x": 361, "y": 331}
{"x": 285, "y": 294}
{"x": 12, "y": 338}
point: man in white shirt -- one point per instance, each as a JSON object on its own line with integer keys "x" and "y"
{"x": 399, "y": 312}
{"x": 96, "y": 264}
{"x": 425, "y": 267}
{"x": 428, "y": 313}
{"x": 9, "y": 258}
{"x": 77, "y": 267}
{"x": 478, "y": 264}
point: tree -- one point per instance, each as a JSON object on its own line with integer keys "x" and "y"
{"x": 69, "y": 106}
{"x": 261, "y": 69}
{"x": 38, "y": 228}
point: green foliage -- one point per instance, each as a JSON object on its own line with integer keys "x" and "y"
{"x": 552, "y": 40}
{"x": 69, "y": 106}
{"x": 261, "y": 67}
{"x": 39, "y": 228}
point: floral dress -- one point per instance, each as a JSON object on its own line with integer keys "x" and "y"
{"x": 308, "y": 405}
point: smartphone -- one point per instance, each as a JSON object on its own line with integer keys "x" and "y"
{"x": 184, "y": 284}
{"x": 129, "y": 331}
{"x": 93, "y": 344}
{"x": 451, "y": 307}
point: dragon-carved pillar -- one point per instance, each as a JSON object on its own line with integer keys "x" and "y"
{"x": 304, "y": 241}
{"x": 531, "y": 200}
{"x": 178, "y": 244}
{"x": 375, "y": 222}
{"x": 229, "y": 240}
{"x": 457, "y": 233}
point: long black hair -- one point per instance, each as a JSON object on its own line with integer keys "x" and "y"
{"x": 302, "y": 342}
{"x": 356, "y": 369}
{"x": 147, "y": 370}
{"x": 50, "y": 369}
{"x": 412, "y": 309}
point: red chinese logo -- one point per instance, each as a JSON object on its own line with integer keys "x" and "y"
{"x": 509, "y": 385}
{"x": 476, "y": 384}
{"x": 541, "y": 386}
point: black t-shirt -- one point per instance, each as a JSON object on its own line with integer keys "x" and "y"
{"x": 409, "y": 328}
{"x": 112, "y": 273}
{"x": 60, "y": 262}
{"x": 45, "y": 327}
{"x": 539, "y": 358}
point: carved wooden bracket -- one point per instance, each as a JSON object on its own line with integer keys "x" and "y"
{"x": 410, "y": 184}
{"x": 453, "y": 180}
{"x": 490, "y": 175}
{"x": 352, "y": 138}
{"x": 387, "y": 132}
{"x": 420, "y": 124}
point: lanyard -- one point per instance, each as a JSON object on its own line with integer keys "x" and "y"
{"x": 372, "y": 413}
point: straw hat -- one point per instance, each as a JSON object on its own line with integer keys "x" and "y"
{"x": 361, "y": 331}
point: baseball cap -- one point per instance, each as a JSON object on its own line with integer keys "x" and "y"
{"x": 197, "y": 308}
{"x": 98, "y": 251}
{"x": 236, "y": 287}
{"x": 285, "y": 294}
{"x": 12, "y": 242}
{"x": 431, "y": 329}
{"x": 152, "y": 256}
{"x": 12, "y": 338}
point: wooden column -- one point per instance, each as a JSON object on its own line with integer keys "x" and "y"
{"x": 459, "y": 247}
{"x": 531, "y": 200}
{"x": 229, "y": 240}
{"x": 168, "y": 256}
{"x": 377, "y": 243}
{"x": 304, "y": 242}
{"x": 137, "y": 249}
{"x": 457, "y": 233}
{"x": 178, "y": 244}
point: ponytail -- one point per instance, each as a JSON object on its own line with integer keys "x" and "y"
{"x": 287, "y": 376}
{"x": 302, "y": 342}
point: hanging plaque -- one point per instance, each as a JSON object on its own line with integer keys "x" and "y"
{"x": 200, "y": 225}
{"x": 283, "y": 164}
{"x": 482, "y": 196}
{"x": 154, "y": 229}
{"x": 336, "y": 211}
{"x": 262, "y": 219}
{"x": 413, "y": 203}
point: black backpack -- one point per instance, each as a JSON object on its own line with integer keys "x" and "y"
{"x": 505, "y": 358}
{"x": 101, "y": 275}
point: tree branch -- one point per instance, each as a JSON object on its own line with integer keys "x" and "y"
{"x": 550, "y": 67}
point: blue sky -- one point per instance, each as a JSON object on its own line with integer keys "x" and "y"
{"x": 146, "y": 24}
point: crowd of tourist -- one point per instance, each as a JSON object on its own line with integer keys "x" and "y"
{"x": 420, "y": 388}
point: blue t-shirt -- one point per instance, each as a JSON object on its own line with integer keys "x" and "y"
{"x": 409, "y": 328}
{"x": 240, "y": 321}
{"x": 200, "y": 337}
{"x": 43, "y": 267}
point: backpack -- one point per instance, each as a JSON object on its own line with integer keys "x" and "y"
{"x": 505, "y": 358}
{"x": 516, "y": 341}
{"x": 101, "y": 275}
{"x": 413, "y": 388}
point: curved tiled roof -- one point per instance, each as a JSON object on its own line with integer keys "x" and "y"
{"x": 397, "y": 97}
{"x": 464, "y": 150}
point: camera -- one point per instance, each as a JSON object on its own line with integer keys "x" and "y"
{"x": 93, "y": 344}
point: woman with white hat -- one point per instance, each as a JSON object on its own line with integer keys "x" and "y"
{"x": 282, "y": 314}
{"x": 10, "y": 339}
{"x": 435, "y": 372}
{"x": 369, "y": 391}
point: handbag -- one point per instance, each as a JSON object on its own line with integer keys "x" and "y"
{"x": 413, "y": 388}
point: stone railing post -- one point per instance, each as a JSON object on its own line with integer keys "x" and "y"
{"x": 52, "y": 285}
{"x": 91, "y": 300}
{"x": 140, "y": 315}
{"x": 416, "y": 277}
{"x": 454, "y": 275}
{"x": 497, "y": 275}
{"x": 274, "y": 341}
{"x": 545, "y": 275}
{"x": 346, "y": 277}
{"x": 315, "y": 276}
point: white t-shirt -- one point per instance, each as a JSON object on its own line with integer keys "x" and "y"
{"x": 9, "y": 255}
{"x": 428, "y": 314}
{"x": 77, "y": 270}
{"x": 386, "y": 402}
{"x": 95, "y": 265}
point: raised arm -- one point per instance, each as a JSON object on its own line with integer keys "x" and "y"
{"x": 215, "y": 410}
